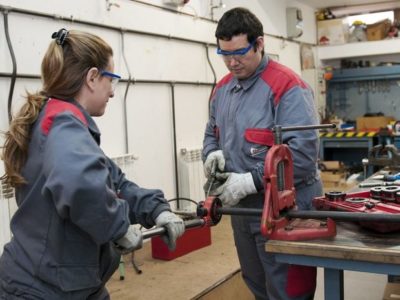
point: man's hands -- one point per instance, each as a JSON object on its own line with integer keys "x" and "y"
{"x": 174, "y": 225}
{"x": 132, "y": 240}
{"x": 236, "y": 187}
{"x": 216, "y": 157}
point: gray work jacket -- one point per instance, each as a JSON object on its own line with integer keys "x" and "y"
{"x": 75, "y": 203}
{"x": 243, "y": 112}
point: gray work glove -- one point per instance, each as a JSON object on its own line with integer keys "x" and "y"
{"x": 132, "y": 240}
{"x": 216, "y": 157}
{"x": 174, "y": 225}
{"x": 236, "y": 187}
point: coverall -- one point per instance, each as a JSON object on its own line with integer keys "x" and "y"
{"x": 75, "y": 203}
{"x": 242, "y": 114}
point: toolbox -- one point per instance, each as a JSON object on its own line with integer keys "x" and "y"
{"x": 191, "y": 240}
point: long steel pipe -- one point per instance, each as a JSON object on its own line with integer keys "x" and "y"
{"x": 161, "y": 230}
{"x": 316, "y": 214}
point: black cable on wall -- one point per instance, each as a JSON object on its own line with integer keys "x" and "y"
{"x": 14, "y": 65}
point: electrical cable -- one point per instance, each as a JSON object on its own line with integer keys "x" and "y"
{"x": 126, "y": 91}
{"x": 214, "y": 81}
{"x": 183, "y": 198}
{"x": 14, "y": 65}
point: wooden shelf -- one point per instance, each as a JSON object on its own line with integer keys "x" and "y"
{"x": 360, "y": 49}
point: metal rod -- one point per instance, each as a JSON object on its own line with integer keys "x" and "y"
{"x": 307, "y": 127}
{"x": 239, "y": 211}
{"x": 316, "y": 214}
{"x": 345, "y": 216}
{"x": 161, "y": 230}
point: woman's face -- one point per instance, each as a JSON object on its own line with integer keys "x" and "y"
{"x": 103, "y": 89}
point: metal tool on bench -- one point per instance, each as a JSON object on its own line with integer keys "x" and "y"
{"x": 380, "y": 205}
{"x": 277, "y": 215}
{"x": 387, "y": 155}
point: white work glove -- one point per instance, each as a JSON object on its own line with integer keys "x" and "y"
{"x": 216, "y": 157}
{"x": 236, "y": 187}
{"x": 174, "y": 225}
{"x": 132, "y": 240}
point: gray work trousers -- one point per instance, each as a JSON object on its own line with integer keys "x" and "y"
{"x": 266, "y": 278}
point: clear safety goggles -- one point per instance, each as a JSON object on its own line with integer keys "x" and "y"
{"x": 236, "y": 54}
{"x": 114, "y": 78}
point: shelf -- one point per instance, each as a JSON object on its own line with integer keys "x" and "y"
{"x": 371, "y": 73}
{"x": 360, "y": 49}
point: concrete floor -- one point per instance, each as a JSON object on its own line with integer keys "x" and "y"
{"x": 188, "y": 276}
{"x": 357, "y": 285}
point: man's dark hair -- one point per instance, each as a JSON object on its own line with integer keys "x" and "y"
{"x": 237, "y": 21}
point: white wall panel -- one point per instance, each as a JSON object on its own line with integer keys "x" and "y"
{"x": 150, "y": 132}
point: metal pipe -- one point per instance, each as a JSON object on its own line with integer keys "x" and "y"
{"x": 175, "y": 145}
{"x": 14, "y": 65}
{"x": 345, "y": 216}
{"x": 307, "y": 127}
{"x": 316, "y": 214}
{"x": 161, "y": 230}
{"x": 100, "y": 25}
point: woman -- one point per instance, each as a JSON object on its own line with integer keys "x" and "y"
{"x": 75, "y": 206}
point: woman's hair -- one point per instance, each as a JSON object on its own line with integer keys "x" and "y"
{"x": 237, "y": 21}
{"x": 64, "y": 67}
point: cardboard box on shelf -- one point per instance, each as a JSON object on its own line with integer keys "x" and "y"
{"x": 378, "y": 31}
{"x": 373, "y": 123}
{"x": 331, "y": 165}
{"x": 333, "y": 32}
{"x": 392, "y": 291}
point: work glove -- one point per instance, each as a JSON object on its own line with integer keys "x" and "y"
{"x": 132, "y": 240}
{"x": 236, "y": 187}
{"x": 216, "y": 157}
{"x": 174, "y": 225}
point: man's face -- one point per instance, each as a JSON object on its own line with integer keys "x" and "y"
{"x": 241, "y": 65}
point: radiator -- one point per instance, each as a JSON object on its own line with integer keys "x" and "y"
{"x": 7, "y": 208}
{"x": 125, "y": 162}
{"x": 191, "y": 178}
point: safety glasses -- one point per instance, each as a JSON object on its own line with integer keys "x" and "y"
{"x": 236, "y": 54}
{"x": 114, "y": 78}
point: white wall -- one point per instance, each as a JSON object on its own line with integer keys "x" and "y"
{"x": 148, "y": 106}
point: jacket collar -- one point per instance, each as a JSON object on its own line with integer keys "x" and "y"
{"x": 248, "y": 82}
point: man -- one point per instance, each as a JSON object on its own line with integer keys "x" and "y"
{"x": 258, "y": 94}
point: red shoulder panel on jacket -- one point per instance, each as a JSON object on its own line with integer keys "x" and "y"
{"x": 55, "y": 107}
{"x": 281, "y": 79}
{"x": 225, "y": 80}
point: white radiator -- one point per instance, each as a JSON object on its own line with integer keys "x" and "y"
{"x": 191, "y": 178}
{"x": 125, "y": 162}
{"x": 7, "y": 208}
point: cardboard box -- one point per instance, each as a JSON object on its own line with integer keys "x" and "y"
{"x": 333, "y": 32}
{"x": 373, "y": 123}
{"x": 392, "y": 291}
{"x": 378, "y": 31}
{"x": 332, "y": 177}
{"x": 192, "y": 239}
{"x": 331, "y": 165}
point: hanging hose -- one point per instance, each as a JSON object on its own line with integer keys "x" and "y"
{"x": 215, "y": 78}
{"x": 126, "y": 91}
{"x": 14, "y": 65}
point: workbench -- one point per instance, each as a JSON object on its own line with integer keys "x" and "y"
{"x": 353, "y": 248}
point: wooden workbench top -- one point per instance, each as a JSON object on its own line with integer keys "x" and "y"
{"x": 352, "y": 242}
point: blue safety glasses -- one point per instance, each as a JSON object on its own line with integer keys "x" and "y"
{"x": 114, "y": 78}
{"x": 236, "y": 54}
